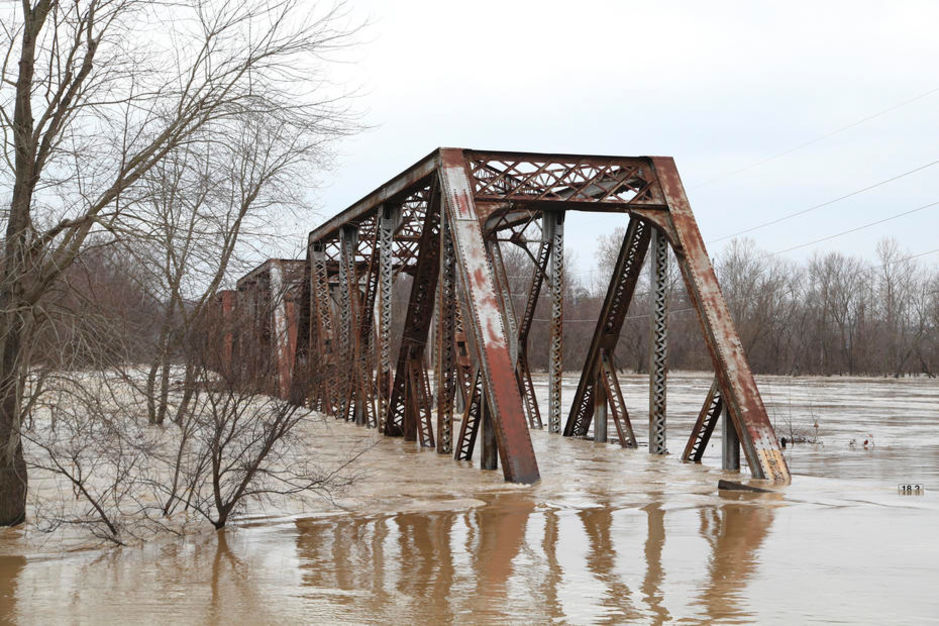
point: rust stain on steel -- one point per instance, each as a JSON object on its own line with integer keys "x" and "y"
{"x": 515, "y": 449}
{"x": 738, "y": 385}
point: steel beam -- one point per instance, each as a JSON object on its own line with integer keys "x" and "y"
{"x": 599, "y": 415}
{"x": 704, "y": 426}
{"x": 323, "y": 340}
{"x": 505, "y": 297}
{"x": 365, "y": 409}
{"x": 488, "y": 458}
{"x": 484, "y": 321}
{"x": 522, "y": 370}
{"x": 738, "y": 386}
{"x": 554, "y": 233}
{"x": 446, "y": 371}
{"x": 469, "y": 424}
{"x": 619, "y": 294}
{"x": 348, "y": 294}
{"x": 409, "y": 406}
{"x": 616, "y": 403}
{"x": 658, "y": 344}
{"x": 730, "y": 446}
{"x": 386, "y": 227}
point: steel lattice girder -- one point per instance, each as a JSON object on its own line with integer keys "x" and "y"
{"x": 480, "y": 194}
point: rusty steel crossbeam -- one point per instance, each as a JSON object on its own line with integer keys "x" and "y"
{"x": 469, "y": 426}
{"x": 522, "y": 370}
{"x": 613, "y": 395}
{"x": 704, "y": 425}
{"x": 435, "y": 229}
{"x": 609, "y": 325}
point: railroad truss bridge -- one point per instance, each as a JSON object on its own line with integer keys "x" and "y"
{"x": 319, "y": 331}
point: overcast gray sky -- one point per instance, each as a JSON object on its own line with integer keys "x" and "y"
{"x": 720, "y": 86}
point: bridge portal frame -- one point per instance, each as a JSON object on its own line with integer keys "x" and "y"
{"x": 440, "y": 222}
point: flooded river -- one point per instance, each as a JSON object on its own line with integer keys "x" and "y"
{"x": 608, "y": 535}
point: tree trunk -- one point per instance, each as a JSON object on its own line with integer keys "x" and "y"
{"x": 12, "y": 464}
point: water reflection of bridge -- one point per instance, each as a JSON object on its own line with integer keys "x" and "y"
{"x": 514, "y": 560}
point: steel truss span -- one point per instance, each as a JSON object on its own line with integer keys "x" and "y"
{"x": 454, "y": 365}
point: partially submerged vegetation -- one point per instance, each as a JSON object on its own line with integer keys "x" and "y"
{"x": 142, "y": 141}
{"x": 104, "y": 467}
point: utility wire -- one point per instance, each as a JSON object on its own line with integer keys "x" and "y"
{"x": 789, "y": 216}
{"x": 857, "y": 228}
{"x": 914, "y": 256}
{"x": 816, "y": 140}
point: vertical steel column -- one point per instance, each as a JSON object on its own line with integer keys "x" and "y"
{"x": 446, "y": 353}
{"x": 364, "y": 309}
{"x": 658, "y": 346}
{"x": 599, "y": 411}
{"x": 306, "y": 331}
{"x": 488, "y": 457}
{"x": 554, "y": 232}
{"x": 323, "y": 382}
{"x": 386, "y": 228}
{"x": 730, "y": 445}
{"x": 348, "y": 291}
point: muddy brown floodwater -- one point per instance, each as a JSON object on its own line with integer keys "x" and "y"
{"x": 608, "y": 535}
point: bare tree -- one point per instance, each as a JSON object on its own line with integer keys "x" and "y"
{"x": 897, "y": 286}
{"x": 236, "y": 445}
{"x": 199, "y": 203}
{"x": 94, "y": 94}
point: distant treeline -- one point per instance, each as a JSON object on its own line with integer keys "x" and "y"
{"x": 833, "y": 314}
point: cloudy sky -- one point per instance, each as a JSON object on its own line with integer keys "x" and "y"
{"x": 769, "y": 108}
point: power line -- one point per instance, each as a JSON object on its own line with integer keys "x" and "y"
{"x": 857, "y": 228}
{"x": 917, "y": 255}
{"x": 816, "y": 140}
{"x": 789, "y": 216}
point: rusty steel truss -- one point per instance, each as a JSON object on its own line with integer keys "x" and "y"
{"x": 435, "y": 232}
{"x": 250, "y": 335}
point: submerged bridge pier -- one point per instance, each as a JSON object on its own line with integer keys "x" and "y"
{"x": 436, "y": 232}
